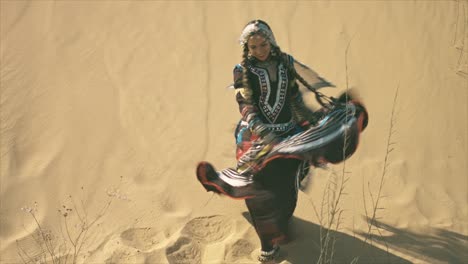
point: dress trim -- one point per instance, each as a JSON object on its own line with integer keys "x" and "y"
{"x": 271, "y": 112}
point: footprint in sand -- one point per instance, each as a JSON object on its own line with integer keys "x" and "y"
{"x": 143, "y": 238}
{"x": 209, "y": 229}
{"x": 157, "y": 257}
{"x": 125, "y": 256}
{"x": 239, "y": 251}
{"x": 196, "y": 235}
{"x": 184, "y": 250}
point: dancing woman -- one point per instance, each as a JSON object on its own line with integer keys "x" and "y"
{"x": 271, "y": 107}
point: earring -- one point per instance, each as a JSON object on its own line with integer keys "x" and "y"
{"x": 249, "y": 56}
{"x": 273, "y": 52}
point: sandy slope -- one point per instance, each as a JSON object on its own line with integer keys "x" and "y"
{"x": 118, "y": 101}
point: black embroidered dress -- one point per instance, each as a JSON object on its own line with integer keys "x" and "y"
{"x": 270, "y": 99}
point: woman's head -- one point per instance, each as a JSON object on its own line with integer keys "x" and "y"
{"x": 259, "y": 47}
{"x": 258, "y": 40}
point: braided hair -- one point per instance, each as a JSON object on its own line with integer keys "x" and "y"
{"x": 275, "y": 52}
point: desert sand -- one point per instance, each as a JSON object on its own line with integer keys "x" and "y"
{"x": 107, "y": 107}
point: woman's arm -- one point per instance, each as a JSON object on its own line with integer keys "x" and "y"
{"x": 247, "y": 107}
{"x": 302, "y": 114}
{"x": 310, "y": 76}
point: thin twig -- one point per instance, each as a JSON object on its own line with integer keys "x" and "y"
{"x": 45, "y": 239}
{"x": 24, "y": 252}
{"x": 376, "y": 202}
{"x": 334, "y": 196}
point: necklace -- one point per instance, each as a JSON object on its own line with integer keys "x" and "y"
{"x": 266, "y": 64}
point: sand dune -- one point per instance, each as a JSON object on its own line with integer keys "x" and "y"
{"x": 107, "y": 106}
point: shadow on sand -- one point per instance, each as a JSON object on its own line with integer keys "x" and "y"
{"x": 305, "y": 246}
{"x": 433, "y": 246}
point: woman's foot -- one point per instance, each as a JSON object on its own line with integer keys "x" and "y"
{"x": 267, "y": 256}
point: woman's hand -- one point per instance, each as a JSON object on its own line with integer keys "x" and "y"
{"x": 260, "y": 129}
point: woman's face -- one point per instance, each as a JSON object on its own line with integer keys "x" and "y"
{"x": 259, "y": 47}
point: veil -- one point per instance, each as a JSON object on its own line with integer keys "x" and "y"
{"x": 309, "y": 75}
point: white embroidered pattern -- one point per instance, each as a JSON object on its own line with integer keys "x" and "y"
{"x": 271, "y": 112}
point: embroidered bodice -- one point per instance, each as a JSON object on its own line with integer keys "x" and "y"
{"x": 273, "y": 94}
{"x": 270, "y": 96}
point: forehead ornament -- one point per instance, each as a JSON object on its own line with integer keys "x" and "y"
{"x": 257, "y": 28}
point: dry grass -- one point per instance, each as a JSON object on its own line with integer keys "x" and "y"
{"x": 331, "y": 213}
{"x": 376, "y": 199}
{"x": 330, "y": 216}
{"x": 68, "y": 242}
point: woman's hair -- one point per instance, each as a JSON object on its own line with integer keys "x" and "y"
{"x": 259, "y": 21}
{"x": 275, "y": 52}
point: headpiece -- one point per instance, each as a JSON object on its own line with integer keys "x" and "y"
{"x": 255, "y": 27}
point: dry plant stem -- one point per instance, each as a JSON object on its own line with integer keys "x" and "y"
{"x": 327, "y": 240}
{"x": 334, "y": 213}
{"x": 46, "y": 240}
{"x": 376, "y": 201}
{"x": 75, "y": 255}
{"x": 323, "y": 248}
{"x": 64, "y": 243}
{"x": 82, "y": 235}
{"x": 25, "y": 253}
{"x": 76, "y": 239}
{"x": 76, "y": 210}
{"x": 72, "y": 241}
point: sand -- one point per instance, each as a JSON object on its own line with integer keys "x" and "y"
{"x": 107, "y": 107}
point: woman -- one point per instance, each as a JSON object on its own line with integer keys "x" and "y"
{"x": 272, "y": 109}
{"x": 267, "y": 92}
